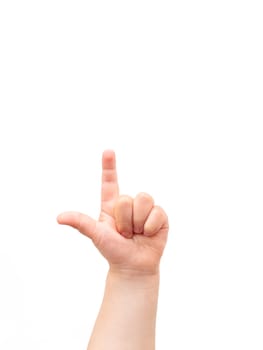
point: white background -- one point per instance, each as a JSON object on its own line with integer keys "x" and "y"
{"x": 175, "y": 88}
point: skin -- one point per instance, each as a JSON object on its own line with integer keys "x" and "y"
{"x": 131, "y": 233}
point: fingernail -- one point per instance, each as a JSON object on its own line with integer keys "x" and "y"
{"x": 59, "y": 218}
{"x": 127, "y": 234}
{"x": 137, "y": 230}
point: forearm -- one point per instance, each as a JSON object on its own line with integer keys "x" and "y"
{"x": 127, "y": 317}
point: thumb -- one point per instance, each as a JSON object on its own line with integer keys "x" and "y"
{"x": 83, "y": 223}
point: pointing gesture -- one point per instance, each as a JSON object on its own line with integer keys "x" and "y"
{"x": 130, "y": 233}
{"x": 109, "y": 185}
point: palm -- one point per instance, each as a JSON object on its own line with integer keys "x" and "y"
{"x": 139, "y": 252}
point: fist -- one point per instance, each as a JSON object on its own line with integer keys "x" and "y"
{"x": 138, "y": 216}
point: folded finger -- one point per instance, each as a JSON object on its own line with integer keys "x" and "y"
{"x": 123, "y": 213}
{"x": 156, "y": 220}
{"x": 142, "y": 206}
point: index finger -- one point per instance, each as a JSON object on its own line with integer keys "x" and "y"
{"x": 109, "y": 182}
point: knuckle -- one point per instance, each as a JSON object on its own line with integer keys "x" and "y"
{"x": 125, "y": 199}
{"x": 80, "y": 222}
{"x": 162, "y": 214}
{"x": 125, "y": 196}
{"x": 144, "y": 196}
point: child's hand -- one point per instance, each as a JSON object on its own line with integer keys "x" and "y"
{"x": 130, "y": 233}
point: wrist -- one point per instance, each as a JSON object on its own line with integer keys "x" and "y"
{"x": 133, "y": 278}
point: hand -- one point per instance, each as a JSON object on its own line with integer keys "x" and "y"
{"x": 130, "y": 233}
